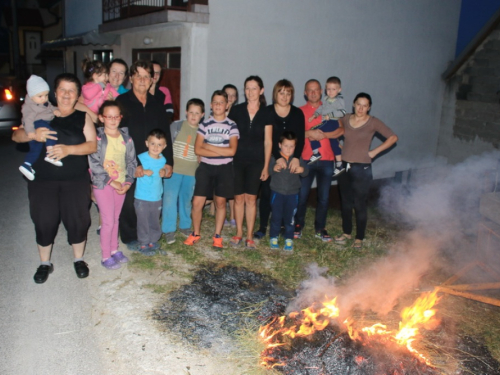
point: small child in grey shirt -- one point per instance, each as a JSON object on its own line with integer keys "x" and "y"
{"x": 331, "y": 110}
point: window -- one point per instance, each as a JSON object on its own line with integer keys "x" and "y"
{"x": 104, "y": 55}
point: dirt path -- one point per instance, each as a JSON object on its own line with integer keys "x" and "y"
{"x": 98, "y": 325}
{"x": 130, "y": 340}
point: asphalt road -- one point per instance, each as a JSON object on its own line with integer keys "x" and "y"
{"x": 46, "y": 328}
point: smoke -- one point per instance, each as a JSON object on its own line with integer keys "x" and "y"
{"x": 439, "y": 211}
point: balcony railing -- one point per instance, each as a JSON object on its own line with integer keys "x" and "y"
{"x": 113, "y": 10}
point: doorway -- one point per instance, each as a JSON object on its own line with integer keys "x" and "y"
{"x": 170, "y": 60}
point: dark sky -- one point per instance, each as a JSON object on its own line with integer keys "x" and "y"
{"x": 473, "y": 16}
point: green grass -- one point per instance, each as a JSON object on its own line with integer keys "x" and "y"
{"x": 286, "y": 268}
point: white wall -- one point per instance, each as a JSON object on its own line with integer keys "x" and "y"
{"x": 394, "y": 50}
{"x": 82, "y": 16}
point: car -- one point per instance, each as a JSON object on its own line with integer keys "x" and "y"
{"x": 10, "y": 109}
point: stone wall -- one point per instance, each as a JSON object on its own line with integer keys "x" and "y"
{"x": 470, "y": 122}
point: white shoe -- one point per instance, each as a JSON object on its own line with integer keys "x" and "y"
{"x": 314, "y": 158}
{"x": 57, "y": 163}
{"x": 28, "y": 173}
{"x": 337, "y": 171}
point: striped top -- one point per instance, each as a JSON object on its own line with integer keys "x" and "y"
{"x": 218, "y": 133}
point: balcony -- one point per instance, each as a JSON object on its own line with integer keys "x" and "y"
{"x": 120, "y": 14}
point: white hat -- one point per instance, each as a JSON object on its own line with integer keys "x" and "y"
{"x": 36, "y": 85}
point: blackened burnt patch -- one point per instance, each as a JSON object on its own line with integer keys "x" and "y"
{"x": 220, "y": 301}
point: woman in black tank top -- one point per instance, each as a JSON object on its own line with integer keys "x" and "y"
{"x": 62, "y": 193}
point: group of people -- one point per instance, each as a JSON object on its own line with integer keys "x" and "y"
{"x": 150, "y": 176}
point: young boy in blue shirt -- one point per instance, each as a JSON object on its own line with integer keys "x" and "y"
{"x": 148, "y": 193}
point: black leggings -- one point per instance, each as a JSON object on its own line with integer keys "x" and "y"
{"x": 265, "y": 204}
{"x": 53, "y": 201}
{"x": 354, "y": 186}
{"x": 128, "y": 219}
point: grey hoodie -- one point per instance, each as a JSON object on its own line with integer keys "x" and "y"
{"x": 284, "y": 182}
{"x": 100, "y": 178}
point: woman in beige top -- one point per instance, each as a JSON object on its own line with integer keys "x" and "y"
{"x": 358, "y": 130}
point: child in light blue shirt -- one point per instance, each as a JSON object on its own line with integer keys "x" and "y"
{"x": 148, "y": 193}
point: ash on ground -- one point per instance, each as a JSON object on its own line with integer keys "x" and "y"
{"x": 220, "y": 301}
{"x": 333, "y": 352}
{"x": 223, "y": 300}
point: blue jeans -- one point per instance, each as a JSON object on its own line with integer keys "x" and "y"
{"x": 178, "y": 188}
{"x": 328, "y": 126}
{"x": 283, "y": 211}
{"x": 322, "y": 170}
{"x": 37, "y": 147}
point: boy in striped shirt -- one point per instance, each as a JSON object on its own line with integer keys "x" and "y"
{"x": 216, "y": 143}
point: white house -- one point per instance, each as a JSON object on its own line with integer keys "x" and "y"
{"x": 394, "y": 50}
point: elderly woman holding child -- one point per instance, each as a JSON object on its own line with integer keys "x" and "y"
{"x": 62, "y": 193}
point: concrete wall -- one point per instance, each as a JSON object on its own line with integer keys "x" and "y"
{"x": 82, "y": 16}
{"x": 470, "y": 123}
{"x": 394, "y": 50}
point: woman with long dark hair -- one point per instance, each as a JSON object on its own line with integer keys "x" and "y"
{"x": 359, "y": 129}
{"x": 251, "y": 161}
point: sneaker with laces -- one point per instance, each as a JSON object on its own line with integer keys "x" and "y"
{"x": 297, "y": 233}
{"x": 323, "y": 234}
{"x": 273, "y": 243}
{"x": 314, "y": 158}
{"x": 169, "y": 237}
{"x": 217, "y": 244}
{"x": 27, "y": 171}
{"x": 288, "y": 245}
{"x": 185, "y": 232}
{"x": 57, "y": 163}
{"x": 337, "y": 171}
{"x": 192, "y": 239}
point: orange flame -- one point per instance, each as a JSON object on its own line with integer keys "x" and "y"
{"x": 313, "y": 319}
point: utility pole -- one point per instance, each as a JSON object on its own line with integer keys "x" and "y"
{"x": 15, "y": 40}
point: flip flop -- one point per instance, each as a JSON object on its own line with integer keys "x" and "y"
{"x": 358, "y": 244}
{"x": 250, "y": 244}
{"x": 235, "y": 241}
{"x": 342, "y": 239}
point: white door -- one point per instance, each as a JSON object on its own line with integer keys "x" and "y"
{"x": 32, "y": 42}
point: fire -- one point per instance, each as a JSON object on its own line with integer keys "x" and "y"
{"x": 317, "y": 317}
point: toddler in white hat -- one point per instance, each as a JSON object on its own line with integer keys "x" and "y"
{"x": 37, "y": 113}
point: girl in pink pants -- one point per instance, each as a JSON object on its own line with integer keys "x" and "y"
{"x": 112, "y": 169}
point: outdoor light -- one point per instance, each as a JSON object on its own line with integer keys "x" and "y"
{"x": 147, "y": 40}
